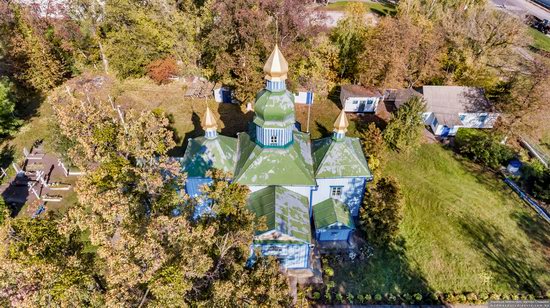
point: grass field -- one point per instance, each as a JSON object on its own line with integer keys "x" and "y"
{"x": 540, "y": 41}
{"x": 463, "y": 230}
{"x": 375, "y": 7}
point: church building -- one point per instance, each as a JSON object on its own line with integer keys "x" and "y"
{"x": 296, "y": 183}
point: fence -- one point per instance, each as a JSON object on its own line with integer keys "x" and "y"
{"x": 527, "y": 199}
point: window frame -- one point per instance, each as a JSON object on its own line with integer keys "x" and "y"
{"x": 336, "y": 189}
{"x": 272, "y": 138}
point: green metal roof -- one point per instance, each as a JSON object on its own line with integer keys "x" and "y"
{"x": 274, "y": 109}
{"x": 275, "y": 166}
{"x": 331, "y": 212}
{"x": 285, "y": 211}
{"x": 203, "y": 154}
{"x": 342, "y": 158}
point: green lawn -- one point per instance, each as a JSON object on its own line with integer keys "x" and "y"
{"x": 463, "y": 230}
{"x": 375, "y": 7}
{"x": 540, "y": 41}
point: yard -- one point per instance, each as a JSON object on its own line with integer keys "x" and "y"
{"x": 380, "y": 8}
{"x": 540, "y": 41}
{"x": 463, "y": 231}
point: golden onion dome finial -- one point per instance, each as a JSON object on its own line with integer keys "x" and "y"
{"x": 341, "y": 124}
{"x": 276, "y": 67}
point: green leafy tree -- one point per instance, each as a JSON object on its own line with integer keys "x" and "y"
{"x": 404, "y": 130}
{"x": 4, "y": 213}
{"x": 482, "y": 147}
{"x": 382, "y": 212}
{"x": 38, "y": 265}
{"x": 375, "y": 149}
{"x": 349, "y": 35}
{"x": 8, "y": 120}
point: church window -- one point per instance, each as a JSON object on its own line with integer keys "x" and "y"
{"x": 273, "y": 139}
{"x": 336, "y": 192}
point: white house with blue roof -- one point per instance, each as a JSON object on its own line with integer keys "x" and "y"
{"x": 288, "y": 174}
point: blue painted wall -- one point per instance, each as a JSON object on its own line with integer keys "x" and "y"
{"x": 333, "y": 234}
{"x": 291, "y": 256}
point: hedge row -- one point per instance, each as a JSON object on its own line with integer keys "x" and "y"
{"x": 420, "y": 298}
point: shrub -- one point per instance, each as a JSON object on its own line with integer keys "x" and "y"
{"x": 514, "y": 297}
{"x": 483, "y": 296}
{"x": 530, "y": 297}
{"x": 417, "y": 297}
{"x": 368, "y": 298}
{"x": 161, "y": 70}
{"x": 505, "y": 296}
{"x": 316, "y": 295}
{"x": 407, "y": 298}
{"x": 328, "y": 296}
{"x": 471, "y": 297}
{"x": 350, "y": 298}
{"x": 361, "y": 298}
{"x": 391, "y": 298}
{"x": 494, "y": 297}
{"x": 482, "y": 148}
{"x": 339, "y": 298}
{"x": 461, "y": 298}
{"x": 377, "y": 297}
{"x": 329, "y": 271}
{"x": 449, "y": 298}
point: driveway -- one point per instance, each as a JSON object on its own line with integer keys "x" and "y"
{"x": 522, "y": 7}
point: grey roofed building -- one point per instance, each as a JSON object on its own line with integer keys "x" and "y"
{"x": 454, "y": 99}
{"x": 399, "y": 96}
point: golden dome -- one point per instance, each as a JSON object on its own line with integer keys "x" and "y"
{"x": 341, "y": 124}
{"x": 209, "y": 120}
{"x": 276, "y": 66}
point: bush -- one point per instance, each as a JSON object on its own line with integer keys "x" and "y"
{"x": 377, "y": 297}
{"x": 361, "y": 298}
{"x": 494, "y": 297}
{"x": 417, "y": 297}
{"x": 329, "y": 271}
{"x": 368, "y": 298}
{"x": 350, "y": 298}
{"x": 514, "y": 297}
{"x": 482, "y": 148}
{"x": 483, "y": 296}
{"x": 505, "y": 296}
{"x": 391, "y": 298}
{"x": 461, "y": 298}
{"x": 161, "y": 70}
{"x": 339, "y": 298}
{"x": 407, "y": 298}
{"x": 471, "y": 297}
{"x": 316, "y": 295}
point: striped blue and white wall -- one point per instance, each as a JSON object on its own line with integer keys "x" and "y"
{"x": 281, "y": 136}
{"x": 291, "y": 256}
{"x": 353, "y": 190}
{"x": 275, "y": 86}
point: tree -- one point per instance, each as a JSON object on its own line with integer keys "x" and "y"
{"x": 349, "y": 35}
{"x": 374, "y": 148}
{"x": 404, "y": 130}
{"x": 522, "y": 96}
{"x": 240, "y": 35}
{"x": 482, "y": 147}
{"x": 400, "y": 53}
{"x": 382, "y": 212}
{"x": 4, "y": 213}
{"x": 39, "y": 266}
{"x": 161, "y": 70}
{"x": 8, "y": 120}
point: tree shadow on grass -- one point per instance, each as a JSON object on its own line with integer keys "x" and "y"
{"x": 388, "y": 271}
{"x": 507, "y": 260}
{"x": 323, "y": 130}
{"x": 537, "y": 230}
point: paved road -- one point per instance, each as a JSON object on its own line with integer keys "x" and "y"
{"x": 522, "y": 7}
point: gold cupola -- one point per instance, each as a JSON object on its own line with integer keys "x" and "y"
{"x": 210, "y": 126}
{"x": 341, "y": 126}
{"x": 276, "y": 66}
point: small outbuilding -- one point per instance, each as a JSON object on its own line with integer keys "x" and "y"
{"x": 333, "y": 221}
{"x": 356, "y": 98}
{"x": 450, "y": 107}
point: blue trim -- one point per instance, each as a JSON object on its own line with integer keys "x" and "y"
{"x": 335, "y": 186}
{"x": 275, "y": 86}
{"x": 311, "y": 199}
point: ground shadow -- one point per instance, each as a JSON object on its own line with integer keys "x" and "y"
{"x": 179, "y": 149}
{"x": 16, "y": 193}
{"x": 334, "y": 96}
{"x": 325, "y": 132}
{"x": 388, "y": 270}
{"x": 537, "y": 230}
{"x": 234, "y": 119}
{"x": 508, "y": 261}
